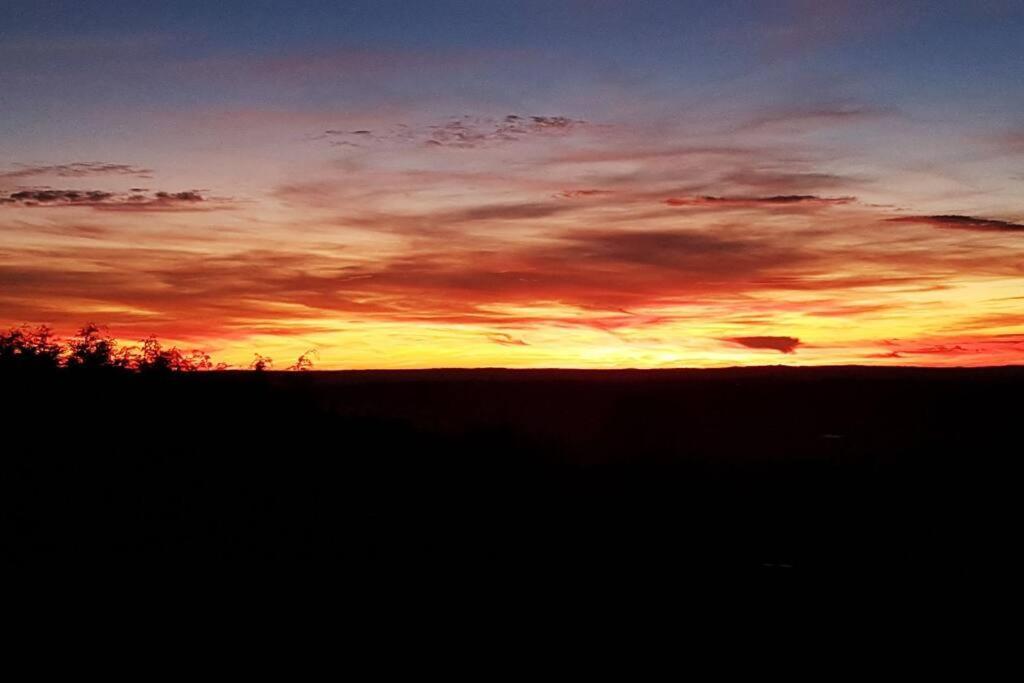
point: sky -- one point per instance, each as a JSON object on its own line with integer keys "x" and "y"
{"x": 567, "y": 183}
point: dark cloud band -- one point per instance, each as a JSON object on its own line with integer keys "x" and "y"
{"x": 958, "y": 222}
{"x": 780, "y": 344}
{"x": 137, "y": 200}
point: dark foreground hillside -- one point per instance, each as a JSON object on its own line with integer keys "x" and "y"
{"x": 768, "y": 470}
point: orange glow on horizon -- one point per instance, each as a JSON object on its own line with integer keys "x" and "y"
{"x": 557, "y": 243}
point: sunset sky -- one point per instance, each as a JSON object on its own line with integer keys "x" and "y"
{"x": 566, "y": 183}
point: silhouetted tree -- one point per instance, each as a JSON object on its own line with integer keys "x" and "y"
{"x": 151, "y": 357}
{"x": 127, "y": 358}
{"x": 155, "y": 359}
{"x": 29, "y": 348}
{"x": 91, "y": 349}
{"x": 305, "y": 361}
{"x": 199, "y": 360}
{"x": 34, "y": 348}
{"x": 260, "y": 363}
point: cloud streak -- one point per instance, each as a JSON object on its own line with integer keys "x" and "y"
{"x": 743, "y": 202}
{"x": 462, "y": 132}
{"x": 780, "y": 344}
{"x": 506, "y": 340}
{"x": 958, "y": 222}
{"x": 139, "y": 200}
{"x": 78, "y": 169}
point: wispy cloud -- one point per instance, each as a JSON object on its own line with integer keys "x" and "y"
{"x": 958, "y": 222}
{"x": 804, "y": 119}
{"x": 462, "y": 132}
{"x": 506, "y": 339}
{"x": 774, "y": 200}
{"x": 581, "y": 194}
{"x": 78, "y": 169}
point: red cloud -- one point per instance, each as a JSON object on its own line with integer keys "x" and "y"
{"x": 781, "y": 344}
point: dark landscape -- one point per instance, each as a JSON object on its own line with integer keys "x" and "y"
{"x": 211, "y": 213}
{"x": 782, "y": 470}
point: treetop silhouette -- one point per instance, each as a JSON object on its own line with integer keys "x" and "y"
{"x": 27, "y": 348}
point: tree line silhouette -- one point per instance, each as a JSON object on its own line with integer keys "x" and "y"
{"x": 28, "y": 348}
